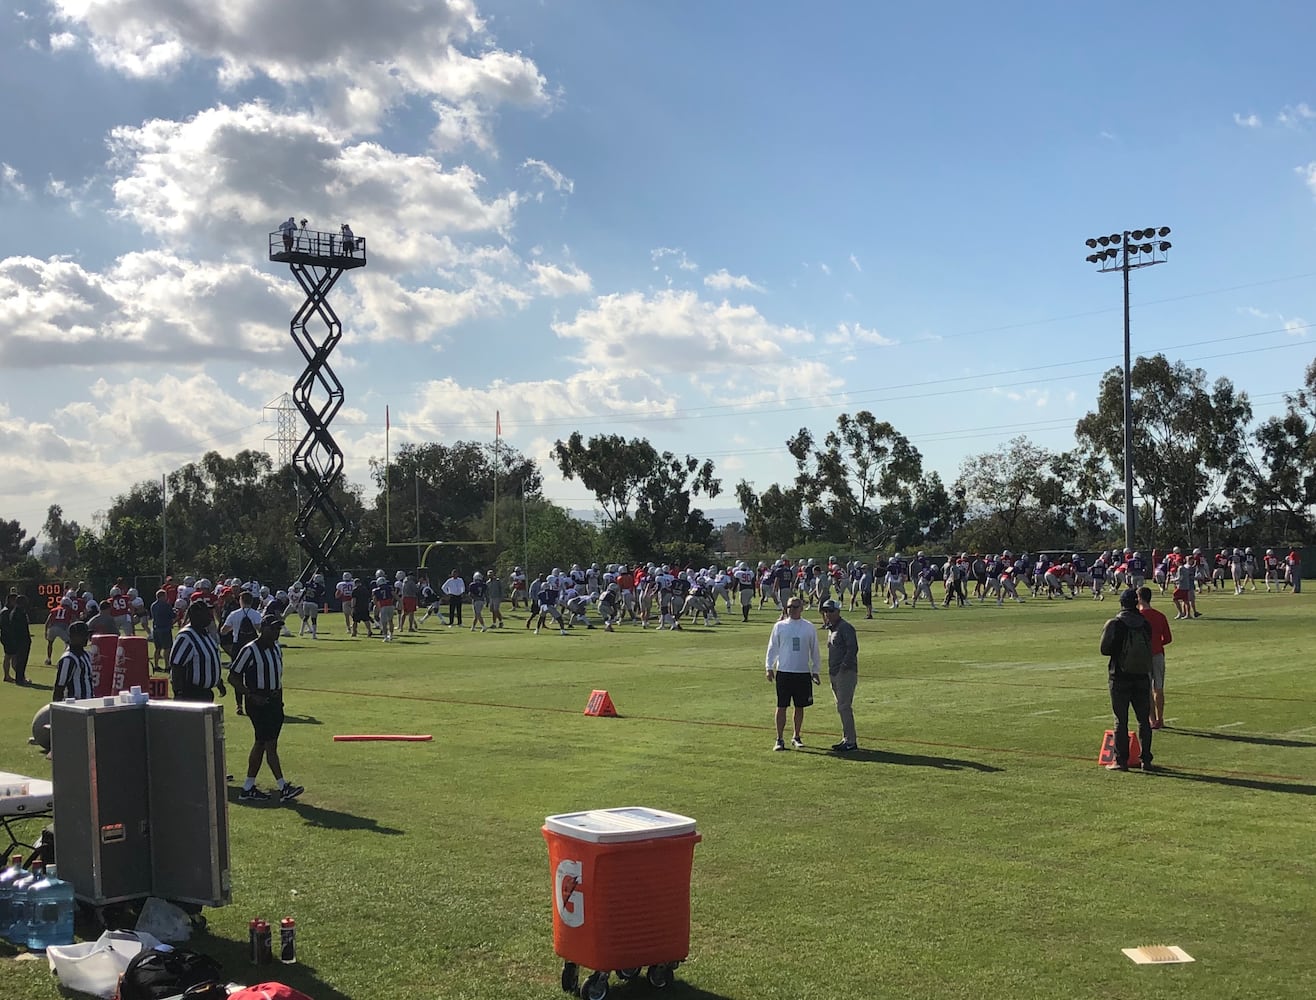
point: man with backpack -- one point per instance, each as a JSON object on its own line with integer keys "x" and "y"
{"x": 1127, "y": 641}
{"x": 240, "y": 627}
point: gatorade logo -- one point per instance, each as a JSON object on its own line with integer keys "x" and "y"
{"x": 568, "y": 898}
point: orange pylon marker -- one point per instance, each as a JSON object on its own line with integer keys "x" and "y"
{"x": 1107, "y": 754}
{"x": 600, "y": 703}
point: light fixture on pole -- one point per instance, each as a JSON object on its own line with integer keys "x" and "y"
{"x": 1128, "y": 252}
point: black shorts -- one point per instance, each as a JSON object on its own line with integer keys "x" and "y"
{"x": 794, "y": 687}
{"x": 266, "y": 719}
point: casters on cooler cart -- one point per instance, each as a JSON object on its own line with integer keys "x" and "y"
{"x": 595, "y": 986}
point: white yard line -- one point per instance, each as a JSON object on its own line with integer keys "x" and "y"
{"x": 1231, "y": 725}
{"x": 1046, "y": 711}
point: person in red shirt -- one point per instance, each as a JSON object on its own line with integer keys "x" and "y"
{"x": 1160, "y": 638}
{"x": 61, "y": 616}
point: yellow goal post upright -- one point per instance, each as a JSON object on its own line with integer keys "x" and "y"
{"x": 431, "y": 544}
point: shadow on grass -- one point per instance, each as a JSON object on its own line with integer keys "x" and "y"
{"x": 913, "y": 760}
{"x": 317, "y": 816}
{"x": 236, "y": 961}
{"x": 1265, "y": 741}
{"x": 1257, "y": 784}
{"x": 301, "y": 720}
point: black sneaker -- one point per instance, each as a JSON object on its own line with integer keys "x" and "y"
{"x": 844, "y": 747}
{"x": 1147, "y": 766}
{"x": 779, "y": 745}
{"x": 797, "y": 743}
{"x": 253, "y": 794}
{"x": 290, "y": 792}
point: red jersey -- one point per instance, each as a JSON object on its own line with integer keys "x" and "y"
{"x": 59, "y": 615}
{"x": 1160, "y": 630}
{"x": 120, "y": 605}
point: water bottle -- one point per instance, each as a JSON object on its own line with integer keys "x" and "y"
{"x": 15, "y": 918}
{"x": 287, "y": 941}
{"x": 8, "y": 877}
{"x": 49, "y": 912}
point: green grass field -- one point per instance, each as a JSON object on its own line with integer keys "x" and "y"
{"x": 972, "y": 849}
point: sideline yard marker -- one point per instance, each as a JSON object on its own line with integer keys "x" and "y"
{"x": 1158, "y": 954}
{"x": 361, "y": 738}
{"x": 600, "y": 703}
{"x": 1107, "y": 754}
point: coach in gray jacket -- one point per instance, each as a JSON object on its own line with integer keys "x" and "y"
{"x": 842, "y": 671}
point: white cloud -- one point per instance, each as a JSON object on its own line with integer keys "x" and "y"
{"x": 554, "y": 176}
{"x": 682, "y": 261}
{"x": 676, "y": 331}
{"x": 458, "y": 125}
{"x": 228, "y": 170}
{"x": 724, "y": 281}
{"x": 63, "y": 40}
{"x": 1039, "y": 398}
{"x": 553, "y": 280}
{"x": 364, "y": 58}
{"x": 825, "y": 269}
{"x": 855, "y": 262}
{"x": 1247, "y": 121}
{"x": 119, "y": 433}
{"x": 11, "y": 179}
{"x": 1294, "y": 115}
{"x": 847, "y": 335}
{"x": 1308, "y": 174}
{"x": 146, "y": 308}
{"x": 1294, "y": 326}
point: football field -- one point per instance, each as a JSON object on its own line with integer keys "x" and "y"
{"x": 972, "y": 848}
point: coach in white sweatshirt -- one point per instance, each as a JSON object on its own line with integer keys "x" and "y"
{"x": 793, "y": 662}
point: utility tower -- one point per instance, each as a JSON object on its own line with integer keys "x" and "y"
{"x": 317, "y": 261}
{"x": 281, "y": 443}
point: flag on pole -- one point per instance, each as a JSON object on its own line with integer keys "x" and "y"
{"x": 498, "y": 424}
{"x": 386, "y": 418}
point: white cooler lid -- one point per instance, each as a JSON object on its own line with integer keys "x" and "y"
{"x": 616, "y": 826}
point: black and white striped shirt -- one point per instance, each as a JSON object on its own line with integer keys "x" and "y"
{"x": 197, "y": 654}
{"x": 260, "y": 669}
{"x": 73, "y": 674}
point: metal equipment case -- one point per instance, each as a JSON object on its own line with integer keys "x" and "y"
{"x": 189, "y": 802}
{"x": 102, "y": 811}
{"x": 141, "y": 801}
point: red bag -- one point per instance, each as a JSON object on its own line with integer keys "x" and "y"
{"x": 268, "y": 991}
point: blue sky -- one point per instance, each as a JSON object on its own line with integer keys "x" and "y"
{"x": 706, "y": 224}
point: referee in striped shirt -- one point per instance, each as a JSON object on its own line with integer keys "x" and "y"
{"x": 194, "y": 665}
{"x": 257, "y": 675}
{"x": 73, "y": 673}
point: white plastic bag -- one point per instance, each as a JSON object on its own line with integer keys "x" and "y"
{"x": 165, "y": 920}
{"x": 95, "y": 966}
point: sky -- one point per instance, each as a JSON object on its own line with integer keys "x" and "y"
{"x": 705, "y": 224}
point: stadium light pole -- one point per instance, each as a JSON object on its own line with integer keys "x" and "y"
{"x": 1125, "y": 253}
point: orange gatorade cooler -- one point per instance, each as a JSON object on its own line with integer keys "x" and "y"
{"x": 621, "y": 894}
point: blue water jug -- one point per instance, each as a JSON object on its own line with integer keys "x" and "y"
{"x": 14, "y": 918}
{"x": 8, "y": 877}
{"x": 49, "y": 911}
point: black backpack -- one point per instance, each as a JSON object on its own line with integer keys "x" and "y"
{"x": 246, "y": 632}
{"x": 1135, "y": 652}
{"x": 159, "y": 972}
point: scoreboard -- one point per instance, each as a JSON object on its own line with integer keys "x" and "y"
{"x": 48, "y": 595}
{"x": 42, "y": 598}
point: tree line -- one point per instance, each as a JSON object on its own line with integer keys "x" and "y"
{"x": 1201, "y": 476}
